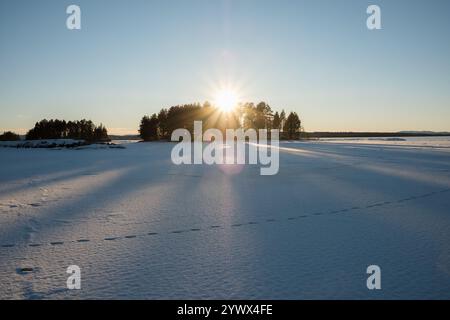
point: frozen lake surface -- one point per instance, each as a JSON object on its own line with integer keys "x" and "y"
{"x": 140, "y": 227}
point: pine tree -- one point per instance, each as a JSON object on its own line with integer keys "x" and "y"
{"x": 292, "y": 126}
{"x": 148, "y": 129}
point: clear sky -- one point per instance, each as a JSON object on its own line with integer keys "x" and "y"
{"x": 314, "y": 57}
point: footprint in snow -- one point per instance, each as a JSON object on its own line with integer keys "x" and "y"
{"x": 25, "y": 270}
{"x": 111, "y": 238}
{"x": 34, "y": 205}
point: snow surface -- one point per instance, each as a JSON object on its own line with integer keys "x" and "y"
{"x": 431, "y": 142}
{"x": 140, "y": 227}
{"x": 45, "y": 143}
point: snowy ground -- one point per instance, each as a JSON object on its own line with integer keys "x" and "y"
{"x": 429, "y": 142}
{"x": 140, "y": 227}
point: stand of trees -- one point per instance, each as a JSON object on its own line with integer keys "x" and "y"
{"x": 246, "y": 116}
{"x": 9, "y": 136}
{"x": 60, "y": 129}
{"x": 292, "y": 126}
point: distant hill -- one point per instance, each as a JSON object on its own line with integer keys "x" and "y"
{"x": 446, "y": 133}
{"x": 374, "y": 134}
{"x": 125, "y": 137}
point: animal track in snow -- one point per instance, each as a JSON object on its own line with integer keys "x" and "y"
{"x": 33, "y": 225}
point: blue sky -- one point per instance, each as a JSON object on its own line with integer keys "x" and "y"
{"x": 314, "y": 57}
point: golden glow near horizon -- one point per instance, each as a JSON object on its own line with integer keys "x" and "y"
{"x": 226, "y": 99}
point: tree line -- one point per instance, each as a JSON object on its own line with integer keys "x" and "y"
{"x": 246, "y": 116}
{"x": 9, "y": 136}
{"x": 161, "y": 125}
{"x": 60, "y": 129}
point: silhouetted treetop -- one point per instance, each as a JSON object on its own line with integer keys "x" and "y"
{"x": 60, "y": 129}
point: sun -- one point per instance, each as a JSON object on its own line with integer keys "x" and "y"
{"x": 226, "y": 99}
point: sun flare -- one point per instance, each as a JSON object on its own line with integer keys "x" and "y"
{"x": 226, "y": 99}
